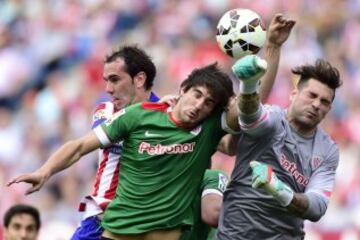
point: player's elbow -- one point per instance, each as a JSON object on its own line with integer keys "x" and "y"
{"x": 210, "y": 209}
{"x": 317, "y": 207}
{"x": 210, "y": 218}
{"x": 313, "y": 216}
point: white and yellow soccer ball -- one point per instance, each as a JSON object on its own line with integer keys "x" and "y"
{"x": 240, "y": 32}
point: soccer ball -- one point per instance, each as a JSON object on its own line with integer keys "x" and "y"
{"x": 240, "y": 32}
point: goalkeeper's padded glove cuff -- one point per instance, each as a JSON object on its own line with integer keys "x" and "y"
{"x": 249, "y": 88}
{"x": 285, "y": 196}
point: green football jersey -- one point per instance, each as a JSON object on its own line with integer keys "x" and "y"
{"x": 161, "y": 168}
{"x": 214, "y": 181}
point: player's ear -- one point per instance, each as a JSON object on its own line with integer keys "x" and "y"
{"x": 182, "y": 91}
{"x": 140, "y": 79}
{"x": 293, "y": 93}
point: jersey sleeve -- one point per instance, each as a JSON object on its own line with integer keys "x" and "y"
{"x": 214, "y": 182}
{"x": 321, "y": 185}
{"x": 120, "y": 125}
{"x": 266, "y": 119}
{"x": 103, "y": 113}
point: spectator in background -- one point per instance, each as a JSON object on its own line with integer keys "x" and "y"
{"x": 21, "y": 222}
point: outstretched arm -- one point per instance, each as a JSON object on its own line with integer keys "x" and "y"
{"x": 255, "y": 93}
{"x": 278, "y": 32}
{"x": 64, "y": 157}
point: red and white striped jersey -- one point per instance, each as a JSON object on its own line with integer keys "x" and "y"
{"x": 108, "y": 168}
{"x": 106, "y": 180}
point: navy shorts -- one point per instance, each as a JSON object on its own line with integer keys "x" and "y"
{"x": 89, "y": 229}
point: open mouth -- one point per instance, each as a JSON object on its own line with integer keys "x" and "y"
{"x": 192, "y": 115}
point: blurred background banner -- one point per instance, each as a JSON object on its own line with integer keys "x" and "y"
{"x": 51, "y": 59}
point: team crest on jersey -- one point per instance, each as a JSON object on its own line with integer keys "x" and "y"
{"x": 115, "y": 116}
{"x": 196, "y": 131}
{"x": 223, "y": 182}
{"x": 99, "y": 115}
{"x": 316, "y": 162}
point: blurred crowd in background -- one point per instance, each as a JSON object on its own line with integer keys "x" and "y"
{"x": 51, "y": 59}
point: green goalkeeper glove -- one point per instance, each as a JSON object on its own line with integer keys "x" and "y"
{"x": 249, "y": 70}
{"x": 263, "y": 177}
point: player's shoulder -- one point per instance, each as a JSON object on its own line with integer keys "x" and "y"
{"x": 155, "y": 106}
{"x": 104, "y": 107}
{"x": 103, "y": 112}
{"x": 323, "y": 138}
{"x": 274, "y": 109}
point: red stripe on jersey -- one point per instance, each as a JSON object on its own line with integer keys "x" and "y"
{"x": 103, "y": 205}
{"x": 180, "y": 124}
{"x": 269, "y": 174}
{"x": 82, "y": 207}
{"x": 100, "y": 107}
{"x": 110, "y": 193}
{"x": 161, "y": 107}
{"x": 100, "y": 171}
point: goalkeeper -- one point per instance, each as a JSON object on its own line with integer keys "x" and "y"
{"x": 285, "y": 166}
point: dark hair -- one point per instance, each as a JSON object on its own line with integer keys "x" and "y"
{"x": 136, "y": 60}
{"x": 322, "y": 71}
{"x": 22, "y": 209}
{"x": 216, "y": 81}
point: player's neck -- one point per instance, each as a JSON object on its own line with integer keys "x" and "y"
{"x": 175, "y": 116}
{"x": 299, "y": 128}
{"x": 142, "y": 96}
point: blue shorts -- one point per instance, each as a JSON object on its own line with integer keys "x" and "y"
{"x": 89, "y": 229}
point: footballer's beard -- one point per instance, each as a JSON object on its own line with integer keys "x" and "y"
{"x": 119, "y": 103}
{"x": 306, "y": 125}
{"x": 122, "y": 102}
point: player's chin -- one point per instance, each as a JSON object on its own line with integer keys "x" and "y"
{"x": 192, "y": 120}
{"x": 309, "y": 122}
{"x": 119, "y": 104}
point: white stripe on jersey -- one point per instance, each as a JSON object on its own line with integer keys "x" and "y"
{"x": 211, "y": 191}
{"x": 103, "y": 138}
{"x": 106, "y": 180}
{"x": 108, "y": 166}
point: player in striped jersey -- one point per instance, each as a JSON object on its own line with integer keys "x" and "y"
{"x": 129, "y": 74}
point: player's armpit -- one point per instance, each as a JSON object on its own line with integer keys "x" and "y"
{"x": 299, "y": 204}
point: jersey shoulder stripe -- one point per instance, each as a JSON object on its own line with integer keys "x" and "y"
{"x": 161, "y": 107}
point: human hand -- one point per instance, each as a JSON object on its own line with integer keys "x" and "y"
{"x": 279, "y": 30}
{"x": 170, "y": 99}
{"x": 37, "y": 179}
{"x": 263, "y": 177}
{"x": 249, "y": 70}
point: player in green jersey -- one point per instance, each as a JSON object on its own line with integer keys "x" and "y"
{"x": 165, "y": 153}
{"x": 212, "y": 188}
